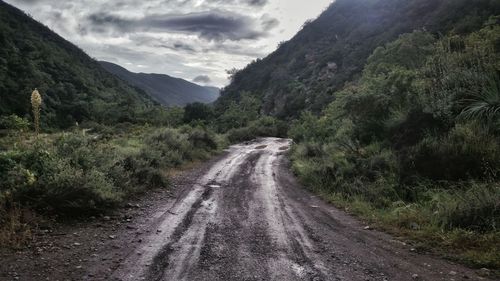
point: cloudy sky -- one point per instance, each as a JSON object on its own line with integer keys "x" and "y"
{"x": 193, "y": 39}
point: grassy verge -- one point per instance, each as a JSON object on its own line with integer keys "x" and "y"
{"x": 454, "y": 220}
{"x": 88, "y": 171}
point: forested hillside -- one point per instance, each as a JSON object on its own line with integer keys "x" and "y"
{"x": 304, "y": 73}
{"x": 167, "y": 90}
{"x": 74, "y": 87}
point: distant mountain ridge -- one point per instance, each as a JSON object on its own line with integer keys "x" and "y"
{"x": 167, "y": 90}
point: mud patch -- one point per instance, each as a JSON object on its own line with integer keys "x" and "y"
{"x": 162, "y": 259}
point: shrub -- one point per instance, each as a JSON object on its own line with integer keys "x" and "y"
{"x": 474, "y": 207}
{"x": 72, "y": 192}
{"x": 167, "y": 140}
{"x": 73, "y": 173}
{"x": 262, "y": 127}
{"x": 466, "y": 152}
{"x": 14, "y": 122}
{"x": 202, "y": 139}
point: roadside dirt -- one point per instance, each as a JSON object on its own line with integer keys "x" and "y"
{"x": 240, "y": 216}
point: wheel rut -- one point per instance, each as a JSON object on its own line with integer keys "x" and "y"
{"x": 247, "y": 218}
{"x": 162, "y": 259}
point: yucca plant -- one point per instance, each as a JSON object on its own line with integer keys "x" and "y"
{"x": 36, "y": 103}
{"x": 483, "y": 103}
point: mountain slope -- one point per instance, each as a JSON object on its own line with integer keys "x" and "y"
{"x": 74, "y": 87}
{"x": 166, "y": 90}
{"x": 303, "y": 73}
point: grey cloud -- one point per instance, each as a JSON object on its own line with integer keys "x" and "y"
{"x": 213, "y": 25}
{"x": 269, "y": 22}
{"x": 202, "y": 79}
{"x": 256, "y": 3}
{"x": 177, "y": 45}
{"x": 195, "y": 47}
{"x": 234, "y": 49}
{"x": 184, "y": 47}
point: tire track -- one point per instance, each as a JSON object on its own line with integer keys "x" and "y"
{"x": 174, "y": 223}
{"x": 248, "y": 219}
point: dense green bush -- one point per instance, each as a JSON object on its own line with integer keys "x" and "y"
{"x": 466, "y": 152}
{"x": 75, "y": 173}
{"x": 65, "y": 177}
{"x": 14, "y": 122}
{"x": 262, "y": 127}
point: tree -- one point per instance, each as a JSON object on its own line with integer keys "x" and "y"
{"x": 197, "y": 112}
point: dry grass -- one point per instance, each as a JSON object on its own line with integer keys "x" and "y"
{"x": 16, "y": 230}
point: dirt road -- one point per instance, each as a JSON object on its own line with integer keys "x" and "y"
{"x": 239, "y": 216}
{"x": 246, "y": 218}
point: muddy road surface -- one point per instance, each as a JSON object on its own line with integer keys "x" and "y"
{"x": 246, "y": 218}
{"x": 240, "y": 216}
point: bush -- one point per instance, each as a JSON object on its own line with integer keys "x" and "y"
{"x": 63, "y": 179}
{"x": 14, "y": 122}
{"x": 475, "y": 207}
{"x": 466, "y": 152}
{"x": 77, "y": 173}
{"x": 262, "y": 127}
{"x": 202, "y": 139}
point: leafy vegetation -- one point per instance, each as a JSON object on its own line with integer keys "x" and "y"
{"x": 240, "y": 121}
{"x": 414, "y": 143}
{"x": 86, "y": 171}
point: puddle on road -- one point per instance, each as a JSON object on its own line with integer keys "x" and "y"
{"x": 214, "y": 186}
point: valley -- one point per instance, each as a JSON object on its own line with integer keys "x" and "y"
{"x": 345, "y": 140}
